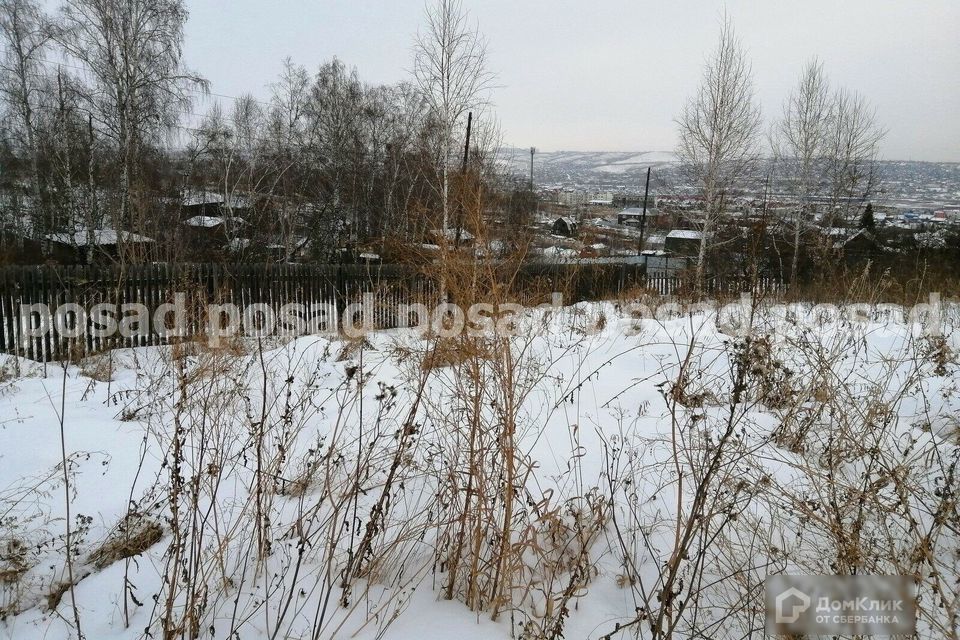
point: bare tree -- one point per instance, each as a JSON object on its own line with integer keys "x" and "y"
{"x": 450, "y": 68}
{"x": 800, "y": 143}
{"x": 132, "y": 49}
{"x": 25, "y": 32}
{"x": 288, "y": 122}
{"x": 853, "y": 147}
{"x": 718, "y": 130}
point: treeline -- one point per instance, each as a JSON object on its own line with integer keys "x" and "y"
{"x": 101, "y": 131}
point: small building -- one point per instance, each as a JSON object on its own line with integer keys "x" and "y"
{"x": 211, "y": 204}
{"x": 634, "y": 215}
{"x": 683, "y": 242}
{"x": 851, "y": 242}
{"x": 92, "y": 245}
{"x": 630, "y": 215}
{"x": 564, "y": 226}
{"x": 206, "y": 236}
{"x": 655, "y": 242}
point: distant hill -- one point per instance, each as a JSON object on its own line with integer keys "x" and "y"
{"x": 903, "y": 183}
{"x": 582, "y": 167}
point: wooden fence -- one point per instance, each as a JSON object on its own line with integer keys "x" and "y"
{"x": 27, "y": 294}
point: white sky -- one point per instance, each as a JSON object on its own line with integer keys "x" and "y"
{"x": 610, "y": 75}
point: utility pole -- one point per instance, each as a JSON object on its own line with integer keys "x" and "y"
{"x": 643, "y": 217}
{"x": 466, "y": 146}
{"x": 533, "y": 194}
{"x": 463, "y": 182}
{"x": 533, "y": 150}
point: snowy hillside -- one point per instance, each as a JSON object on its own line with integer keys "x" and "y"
{"x": 584, "y": 167}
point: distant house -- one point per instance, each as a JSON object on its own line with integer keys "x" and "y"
{"x": 93, "y": 245}
{"x": 630, "y": 215}
{"x": 216, "y": 224}
{"x": 683, "y": 242}
{"x": 654, "y": 242}
{"x": 564, "y": 226}
{"x": 205, "y": 234}
{"x": 211, "y": 204}
{"x": 851, "y": 241}
{"x": 203, "y": 203}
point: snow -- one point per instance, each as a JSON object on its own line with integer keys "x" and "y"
{"x": 603, "y": 383}
{"x": 560, "y": 252}
{"x": 99, "y": 237}
{"x": 685, "y": 234}
{"x": 451, "y": 234}
{"x": 204, "y": 221}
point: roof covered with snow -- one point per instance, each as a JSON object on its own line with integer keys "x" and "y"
{"x": 685, "y": 234}
{"x": 204, "y": 221}
{"x": 97, "y": 237}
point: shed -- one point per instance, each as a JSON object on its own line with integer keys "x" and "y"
{"x": 683, "y": 242}
{"x": 564, "y": 226}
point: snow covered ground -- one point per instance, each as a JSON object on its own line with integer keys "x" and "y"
{"x": 321, "y": 488}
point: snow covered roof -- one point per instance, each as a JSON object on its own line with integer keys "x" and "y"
{"x": 195, "y": 198}
{"x": 846, "y": 238}
{"x": 204, "y": 221}
{"x": 567, "y": 221}
{"x": 839, "y": 232}
{"x": 202, "y": 197}
{"x": 631, "y": 211}
{"x": 685, "y": 234}
{"x": 99, "y": 237}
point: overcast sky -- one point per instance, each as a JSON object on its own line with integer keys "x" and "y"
{"x": 611, "y": 75}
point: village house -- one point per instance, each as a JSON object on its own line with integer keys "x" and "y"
{"x": 564, "y": 226}
{"x": 683, "y": 242}
{"x": 96, "y": 245}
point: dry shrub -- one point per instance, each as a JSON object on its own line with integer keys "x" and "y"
{"x": 768, "y": 380}
{"x": 13, "y": 561}
{"x": 9, "y": 372}
{"x": 132, "y": 537}
{"x": 55, "y": 595}
{"x": 98, "y": 367}
{"x": 559, "y": 563}
{"x": 352, "y": 347}
{"x": 939, "y": 353}
{"x": 451, "y": 352}
{"x": 210, "y": 361}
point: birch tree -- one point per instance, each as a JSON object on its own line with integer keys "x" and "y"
{"x": 138, "y": 85}
{"x": 852, "y": 152}
{"x": 450, "y": 68}
{"x": 25, "y": 33}
{"x": 800, "y": 144}
{"x": 718, "y": 131}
